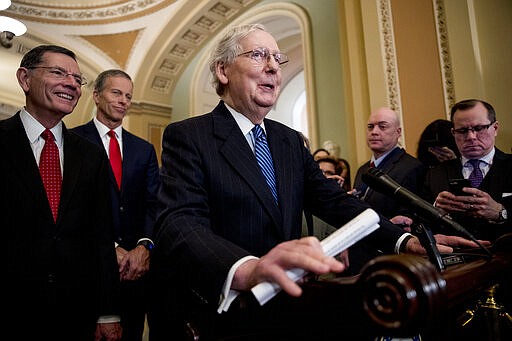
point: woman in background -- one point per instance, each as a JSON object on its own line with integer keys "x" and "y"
{"x": 437, "y": 144}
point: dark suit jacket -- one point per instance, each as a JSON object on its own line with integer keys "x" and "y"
{"x": 497, "y": 183}
{"x": 405, "y": 169}
{"x": 408, "y": 172}
{"x": 71, "y": 264}
{"x": 220, "y": 209}
{"x": 134, "y": 206}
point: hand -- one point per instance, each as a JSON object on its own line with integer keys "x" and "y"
{"x": 402, "y": 221}
{"x": 445, "y": 244}
{"x": 355, "y": 192}
{"x": 442, "y": 153}
{"x": 477, "y": 204}
{"x": 339, "y": 179}
{"x": 134, "y": 263}
{"x": 343, "y": 257}
{"x": 108, "y": 331}
{"x": 305, "y": 253}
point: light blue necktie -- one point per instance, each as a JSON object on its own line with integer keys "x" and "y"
{"x": 264, "y": 158}
{"x": 476, "y": 175}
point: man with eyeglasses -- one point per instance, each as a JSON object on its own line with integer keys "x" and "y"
{"x": 485, "y": 203}
{"x": 234, "y": 187}
{"x": 61, "y": 280}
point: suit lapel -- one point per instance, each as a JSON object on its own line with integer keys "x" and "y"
{"x": 92, "y": 134}
{"x": 283, "y": 162}
{"x": 389, "y": 161}
{"x": 22, "y": 158}
{"x": 73, "y": 158}
{"x": 489, "y": 183}
{"x": 241, "y": 158}
{"x": 129, "y": 152}
{"x": 386, "y": 166}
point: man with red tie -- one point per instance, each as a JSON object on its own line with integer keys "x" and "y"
{"x": 134, "y": 181}
{"x": 61, "y": 279}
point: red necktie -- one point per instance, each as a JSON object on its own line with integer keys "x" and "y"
{"x": 114, "y": 153}
{"x": 49, "y": 168}
{"x": 372, "y": 164}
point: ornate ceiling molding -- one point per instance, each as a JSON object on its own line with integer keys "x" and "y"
{"x": 191, "y": 39}
{"x": 86, "y": 14}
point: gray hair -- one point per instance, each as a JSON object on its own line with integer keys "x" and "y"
{"x": 99, "y": 83}
{"x": 227, "y": 49}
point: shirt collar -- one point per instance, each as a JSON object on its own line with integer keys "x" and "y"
{"x": 243, "y": 122}
{"x": 486, "y": 158}
{"x": 34, "y": 129}
{"x": 382, "y": 157}
{"x": 103, "y": 129}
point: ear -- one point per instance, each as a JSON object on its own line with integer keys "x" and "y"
{"x": 23, "y": 78}
{"x": 95, "y": 96}
{"x": 220, "y": 71}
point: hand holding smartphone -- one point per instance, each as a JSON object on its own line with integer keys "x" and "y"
{"x": 456, "y": 186}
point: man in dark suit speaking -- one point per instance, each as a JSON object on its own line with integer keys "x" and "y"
{"x": 233, "y": 211}
{"x": 61, "y": 277}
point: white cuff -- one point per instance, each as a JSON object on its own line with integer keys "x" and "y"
{"x": 109, "y": 319}
{"x": 400, "y": 240}
{"x": 228, "y": 295}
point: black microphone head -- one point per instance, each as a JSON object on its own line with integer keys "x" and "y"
{"x": 375, "y": 171}
{"x": 379, "y": 181}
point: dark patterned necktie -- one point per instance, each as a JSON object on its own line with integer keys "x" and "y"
{"x": 114, "y": 154}
{"x": 476, "y": 175}
{"x": 264, "y": 158}
{"x": 49, "y": 168}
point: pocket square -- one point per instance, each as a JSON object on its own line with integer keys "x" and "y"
{"x": 504, "y": 195}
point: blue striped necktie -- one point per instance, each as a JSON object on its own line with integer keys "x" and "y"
{"x": 264, "y": 158}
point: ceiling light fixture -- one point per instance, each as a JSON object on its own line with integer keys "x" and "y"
{"x": 9, "y": 27}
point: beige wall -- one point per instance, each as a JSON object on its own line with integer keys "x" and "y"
{"x": 419, "y": 68}
{"x": 480, "y": 35}
{"x": 477, "y": 45}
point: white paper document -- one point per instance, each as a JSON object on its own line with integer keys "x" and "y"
{"x": 338, "y": 241}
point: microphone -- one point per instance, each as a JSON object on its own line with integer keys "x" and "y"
{"x": 381, "y": 182}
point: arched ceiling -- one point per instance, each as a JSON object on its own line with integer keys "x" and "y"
{"x": 153, "y": 40}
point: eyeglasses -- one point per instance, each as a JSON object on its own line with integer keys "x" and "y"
{"x": 262, "y": 55}
{"x": 479, "y": 129}
{"x": 328, "y": 173}
{"x": 61, "y": 74}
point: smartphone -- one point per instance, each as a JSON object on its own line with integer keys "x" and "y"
{"x": 431, "y": 143}
{"x": 457, "y": 184}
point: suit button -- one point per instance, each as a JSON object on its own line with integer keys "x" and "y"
{"x": 121, "y": 208}
{"x": 51, "y": 278}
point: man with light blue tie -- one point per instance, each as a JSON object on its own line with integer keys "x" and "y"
{"x": 484, "y": 207}
{"x": 228, "y": 225}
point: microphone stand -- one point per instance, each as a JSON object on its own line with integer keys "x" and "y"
{"x": 428, "y": 241}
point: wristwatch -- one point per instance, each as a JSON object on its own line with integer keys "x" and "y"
{"x": 147, "y": 244}
{"x": 503, "y": 214}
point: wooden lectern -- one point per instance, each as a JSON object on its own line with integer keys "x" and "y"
{"x": 405, "y": 295}
{"x": 397, "y": 295}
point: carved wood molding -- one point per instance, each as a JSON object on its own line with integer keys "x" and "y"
{"x": 444, "y": 55}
